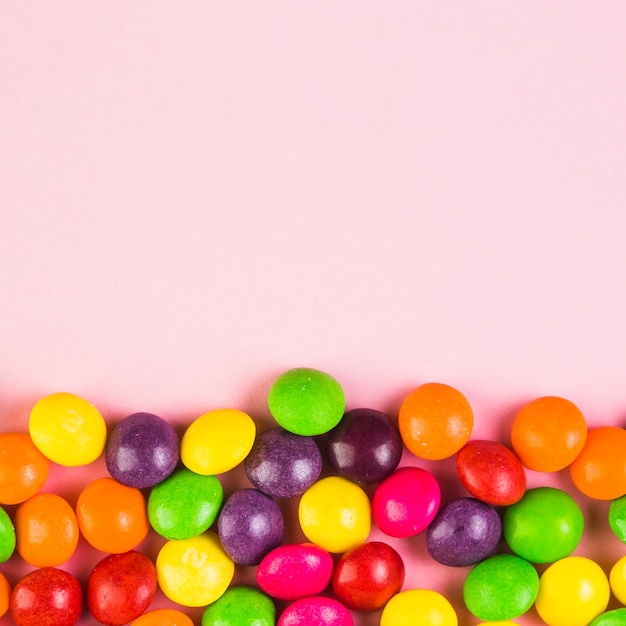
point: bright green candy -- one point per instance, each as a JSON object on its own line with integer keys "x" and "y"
{"x": 185, "y": 504}
{"x": 306, "y": 401}
{"x": 611, "y": 618}
{"x": 7, "y": 536}
{"x": 544, "y": 526}
{"x": 617, "y": 518}
{"x": 501, "y": 587}
{"x": 241, "y": 606}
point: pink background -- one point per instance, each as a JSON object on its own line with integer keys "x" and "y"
{"x": 196, "y": 196}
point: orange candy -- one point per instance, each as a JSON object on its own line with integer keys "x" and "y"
{"x": 548, "y": 434}
{"x": 599, "y": 471}
{"x": 435, "y": 421}
{"x": 163, "y": 617}
{"x": 112, "y": 517}
{"x": 5, "y": 594}
{"x": 46, "y": 530}
{"x": 23, "y": 469}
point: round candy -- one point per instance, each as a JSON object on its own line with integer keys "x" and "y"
{"x": 365, "y": 446}
{"x": 617, "y": 518}
{"x": 491, "y": 472}
{"x": 217, "y": 441}
{"x": 306, "y": 401}
{"x": 112, "y": 517}
{"x": 617, "y": 580}
{"x": 435, "y": 421}
{"x": 282, "y": 464}
{"x": 121, "y": 587}
{"x": 406, "y": 502}
{"x": 23, "y": 468}
{"x": 316, "y": 610}
{"x": 464, "y": 532}
{"x": 572, "y": 592}
{"x": 194, "y": 572}
{"x": 335, "y": 514}
{"x": 617, "y": 617}
{"x": 418, "y": 607}
{"x": 67, "y": 429}
{"x": 46, "y": 529}
{"x": 544, "y": 526}
{"x": 142, "y": 450}
{"x": 7, "y": 536}
{"x": 548, "y": 434}
{"x": 185, "y": 504}
{"x": 295, "y": 571}
{"x": 366, "y": 577}
{"x": 240, "y": 606}
{"x": 599, "y": 471}
{"x": 501, "y": 587}
{"x": 47, "y": 596}
{"x": 250, "y": 524}
{"x": 5, "y": 594}
{"x": 163, "y": 617}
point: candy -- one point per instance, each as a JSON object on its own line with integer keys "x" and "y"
{"x": 406, "y": 502}
{"x": 7, "y": 536}
{"x": 572, "y": 592}
{"x": 23, "y": 468}
{"x": 250, "y": 524}
{"x": 217, "y": 441}
{"x": 464, "y": 532}
{"x": 295, "y": 571}
{"x": 366, "y": 577}
{"x": 435, "y": 421}
{"x": 335, "y": 514}
{"x": 548, "y": 434}
{"x": 544, "y": 526}
{"x": 194, "y": 572}
{"x": 491, "y": 472}
{"x": 316, "y": 610}
{"x": 418, "y": 607}
{"x": 120, "y": 588}
{"x": 599, "y": 471}
{"x": 617, "y": 518}
{"x": 306, "y": 401}
{"x": 365, "y": 446}
{"x": 67, "y": 429}
{"x": 617, "y": 580}
{"x": 617, "y": 617}
{"x": 5, "y": 594}
{"x": 162, "y": 617}
{"x": 240, "y": 606}
{"x": 142, "y": 450}
{"x": 112, "y": 517}
{"x": 501, "y": 587}
{"x": 47, "y": 597}
{"x": 46, "y": 530}
{"x": 185, "y": 504}
{"x": 282, "y": 464}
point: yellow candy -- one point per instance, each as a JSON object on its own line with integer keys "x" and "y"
{"x": 572, "y": 592}
{"x": 194, "y": 572}
{"x": 217, "y": 441}
{"x": 418, "y": 607}
{"x": 335, "y": 514}
{"x": 67, "y": 429}
{"x": 617, "y": 580}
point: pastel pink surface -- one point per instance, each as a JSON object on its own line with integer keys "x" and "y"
{"x": 195, "y": 197}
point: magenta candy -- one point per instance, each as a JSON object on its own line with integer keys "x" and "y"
{"x": 406, "y": 502}
{"x": 316, "y": 610}
{"x": 295, "y": 571}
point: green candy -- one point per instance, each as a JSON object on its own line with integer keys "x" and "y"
{"x": 617, "y": 518}
{"x": 306, "y": 401}
{"x": 501, "y": 588}
{"x": 544, "y": 526}
{"x": 185, "y": 504}
{"x": 240, "y": 606}
{"x": 611, "y": 618}
{"x": 7, "y": 536}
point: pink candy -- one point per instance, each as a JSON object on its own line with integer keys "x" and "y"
{"x": 316, "y": 610}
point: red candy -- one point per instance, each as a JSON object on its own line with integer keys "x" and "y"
{"x": 491, "y": 472}
{"x": 367, "y": 577}
{"x": 316, "y": 610}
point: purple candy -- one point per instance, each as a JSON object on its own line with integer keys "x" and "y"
{"x": 365, "y": 446}
{"x": 249, "y": 525}
{"x": 142, "y": 450}
{"x": 282, "y": 464}
{"x": 464, "y": 532}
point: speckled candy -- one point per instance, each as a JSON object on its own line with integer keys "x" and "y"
{"x": 240, "y": 606}
{"x": 316, "y": 610}
{"x": 464, "y": 532}
{"x": 250, "y": 524}
{"x": 282, "y": 464}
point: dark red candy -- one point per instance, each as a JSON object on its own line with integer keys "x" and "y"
{"x": 121, "y": 587}
{"x": 366, "y": 577}
{"x": 47, "y": 597}
{"x": 491, "y": 472}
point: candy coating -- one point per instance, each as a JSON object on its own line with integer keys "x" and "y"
{"x": 617, "y": 580}
{"x": 316, "y": 610}
{"x": 5, "y": 594}
{"x": 617, "y": 518}
{"x": 240, "y": 606}
{"x": 7, "y": 536}
{"x": 616, "y": 617}
{"x": 418, "y": 607}
{"x": 23, "y": 468}
{"x": 163, "y": 617}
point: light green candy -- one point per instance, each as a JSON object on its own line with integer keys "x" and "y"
{"x": 7, "y": 536}
{"x": 241, "y": 606}
{"x": 611, "y": 618}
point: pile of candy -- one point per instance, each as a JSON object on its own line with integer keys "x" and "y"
{"x": 344, "y": 468}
